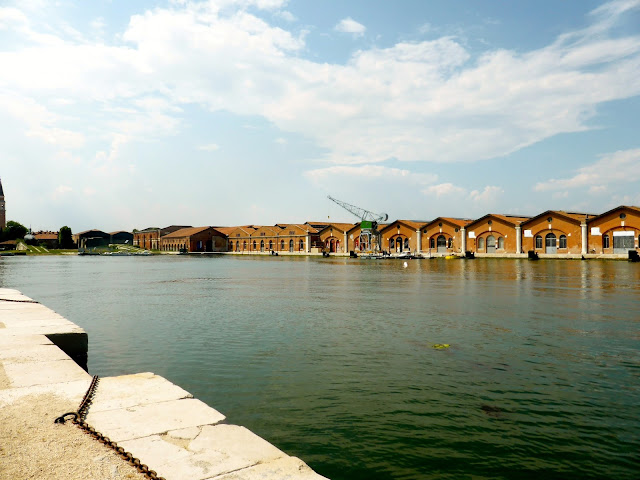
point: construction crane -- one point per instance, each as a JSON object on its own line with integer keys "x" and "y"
{"x": 368, "y": 221}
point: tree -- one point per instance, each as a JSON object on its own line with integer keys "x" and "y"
{"x": 65, "y": 239}
{"x": 13, "y": 230}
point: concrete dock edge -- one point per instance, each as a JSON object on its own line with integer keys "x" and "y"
{"x": 178, "y": 436}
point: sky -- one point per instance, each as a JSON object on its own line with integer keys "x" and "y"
{"x": 120, "y": 115}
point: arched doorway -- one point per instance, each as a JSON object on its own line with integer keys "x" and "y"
{"x": 291, "y": 245}
{"x": 491, "y": 244}
{"x": 301, "y": 249}
{"x": 550, "y": 244}
{"x": 623, "y": 241}
{"x": 262, "y": 245}
{"x": 441, "y": 241}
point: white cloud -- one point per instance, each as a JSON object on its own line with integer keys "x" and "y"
{"x": 488, "y": 196}
{"x": 349, "y": 25}
{"x": 423, "y": 101}
{"x": 444, "y": 189}
{"x": 388, "y": 174}
{"x": 211, "y": 147}
{"x": 614, "y": 168}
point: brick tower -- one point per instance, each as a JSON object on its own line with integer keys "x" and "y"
{"x": 3, "y": 213}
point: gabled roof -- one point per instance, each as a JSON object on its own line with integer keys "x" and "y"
{"x": 247, "y": 230}
{"x": 574, "y": 216}
{"x": 272, "y": 231}
{"x": 304, "y": 227}
{"x": 119, "y": 231}
{"x": 225, "y": 230}
{"x": 92, "y": 231}
{"x": 620, "y": 207}
{"x": 186, "y": 232}
{"x": 416, "y": 225}
{"x": 342, "y": 227}
{"x": 460, "y": 222}
{"x": 511, "y": 219}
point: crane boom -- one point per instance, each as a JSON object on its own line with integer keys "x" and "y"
{"x": 361, "y": 213}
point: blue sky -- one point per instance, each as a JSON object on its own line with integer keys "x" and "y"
{"x": 122, "y": 115}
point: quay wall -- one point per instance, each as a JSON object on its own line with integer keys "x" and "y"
{"x": 43, "y": 357}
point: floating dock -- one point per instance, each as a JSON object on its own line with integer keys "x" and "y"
{"x": 43, "y": 359}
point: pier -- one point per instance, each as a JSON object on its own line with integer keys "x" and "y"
{"x": 43, "y": 360}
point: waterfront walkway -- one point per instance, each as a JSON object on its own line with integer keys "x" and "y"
{"x": 158, "y": 422}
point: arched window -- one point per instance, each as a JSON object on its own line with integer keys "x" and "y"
{"x": 254, "y": 246}
{"x": 432, "y": 242}
{"x": 262, "y": 245}
{"x": 550, "y": 240}
{"x": 481, "y": 243}
{"x": 450, "y": 242}
{"x": 237, "y": 245}
{"x": 605, "y": 241}
{"x": 244, "y": 245}
{"x": 282, "y": 245}
{"x": 538, "y": 241}
{"x": 270, "y": 244}
{"x": 563, "y": 241}
{"x": 392, "y": 243}
{"x": 291, "y": 245}
{"x": 406, "y": 243}
{"x": 501, "y": 243}
{"x": 301, "y": 246}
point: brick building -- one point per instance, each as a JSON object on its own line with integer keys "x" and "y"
{"x": 616, "y": 231}
{"x": 194, "y": 239}
{"x": 494, "y": 234}
{"x": 149, "y": 238}
{"x": 401, "y": 236}
{"x": 556, "y": 232}
{"x": 443, "y": 236}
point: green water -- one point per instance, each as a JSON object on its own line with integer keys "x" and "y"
{"x": 332, "y": 360}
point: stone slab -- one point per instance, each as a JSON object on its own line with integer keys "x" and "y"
{"x": 145, "y": 420}
{"x": 31, "y": 353}
{"x": 39, "y": 373}
{"x": 7, "y": 341}
{"x": 128, "y": 391}
{"x": 286, "y": 468}
{"x": 73, "y": 391}
{"x": 216, "y": 450}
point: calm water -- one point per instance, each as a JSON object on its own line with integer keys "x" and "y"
{"x": 332, "y": 360}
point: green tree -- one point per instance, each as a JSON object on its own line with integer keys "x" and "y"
{"x": 13, "y": 230}
{"x": 65, "y": 239}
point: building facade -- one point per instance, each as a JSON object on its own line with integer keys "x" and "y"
{"x": 443, "y": 236}
{"x": 494, "y": 234}
{"x": 556, "y": 232}
{"x": 195, "y": 239}
{"x": 615, "y": 232}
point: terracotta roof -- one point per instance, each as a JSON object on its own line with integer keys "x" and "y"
{"x": 305, "y": 228}
{"x": 410, "y": 223}
{"x": 186, "y": 232}
{"x": 46, "y": 236}
{"x": 512, "y": 219}
{"x": 578, "y": 217}
{"x": 343, "y": 227}
{"x": 620, "y": 207}
{"x": 225, "y": 230}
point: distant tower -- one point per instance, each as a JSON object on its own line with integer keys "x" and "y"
{"x": 3, "y": 213}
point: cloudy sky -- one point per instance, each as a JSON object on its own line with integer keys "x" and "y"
{"x": 121, "y": 115}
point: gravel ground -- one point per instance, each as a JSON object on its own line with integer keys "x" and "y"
{"x": 33, "y": 447}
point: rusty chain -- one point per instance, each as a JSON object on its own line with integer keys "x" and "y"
{"x": 78, "y": 419}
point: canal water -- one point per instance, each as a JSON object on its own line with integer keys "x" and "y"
{"x": 333, "y": 360}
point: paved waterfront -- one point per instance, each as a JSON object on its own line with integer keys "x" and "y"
{"x": 173, "y": 433}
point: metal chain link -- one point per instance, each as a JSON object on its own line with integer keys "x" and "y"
{"x": 17, "y": 301}
{"x": 78, "y": 419}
